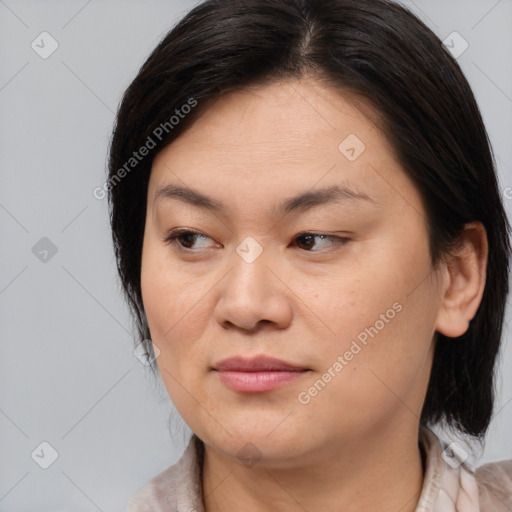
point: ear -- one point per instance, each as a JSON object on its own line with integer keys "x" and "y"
{"x": 463, "y": 277}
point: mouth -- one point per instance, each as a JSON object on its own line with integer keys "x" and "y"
{"x": 258, "y": 374}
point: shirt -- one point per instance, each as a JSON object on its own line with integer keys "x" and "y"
{"x": 448, "y": 484}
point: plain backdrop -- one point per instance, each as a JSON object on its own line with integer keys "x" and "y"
{"x": 73, "y": 396}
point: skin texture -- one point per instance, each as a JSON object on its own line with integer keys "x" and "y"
{"x": 354, "y": 445}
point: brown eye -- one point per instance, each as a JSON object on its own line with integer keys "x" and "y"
{"x": 185, "y": 238}
{"x": 308, "y": 240}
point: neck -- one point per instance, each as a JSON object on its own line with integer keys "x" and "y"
{"x": 383, "y": 472}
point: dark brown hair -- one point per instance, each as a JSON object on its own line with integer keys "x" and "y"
{"x": 383, "y": 53}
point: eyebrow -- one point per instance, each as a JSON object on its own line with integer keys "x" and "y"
{"x": 300, "y": 202}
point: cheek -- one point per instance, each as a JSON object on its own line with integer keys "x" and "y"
{"x": 381, "y": 317}
{"x": 171, "y": 301}
{"x": 168, "y": 294}
{"x": 172, "y": 308}
{"x": 368, "y": 377}
{"x": 361, "y": 293}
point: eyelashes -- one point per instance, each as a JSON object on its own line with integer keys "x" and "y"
{"x": 176, "y": 236}
{"x": 311, "y": 236}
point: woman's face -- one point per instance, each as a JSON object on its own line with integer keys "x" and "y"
{"x": 337, "y": 284}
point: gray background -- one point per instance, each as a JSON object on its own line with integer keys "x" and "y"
{"x": 68, "y": 374}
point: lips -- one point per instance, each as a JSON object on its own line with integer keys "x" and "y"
{"x": 256, "y": 364}
{"x": 258, "y": 374}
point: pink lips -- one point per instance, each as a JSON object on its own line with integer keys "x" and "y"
{"x": 257, "y": 374}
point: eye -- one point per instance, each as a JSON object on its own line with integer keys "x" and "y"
{"x": 308, "y": 240}
{"x": 185, "y": 238}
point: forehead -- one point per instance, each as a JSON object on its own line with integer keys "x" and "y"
{"x": 303, "y": 113}
{"x": 276, "y": 139}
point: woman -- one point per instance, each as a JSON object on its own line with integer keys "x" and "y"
{"x": 308, "y": 228}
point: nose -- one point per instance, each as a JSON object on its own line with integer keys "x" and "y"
{"x": 252, "y": 295}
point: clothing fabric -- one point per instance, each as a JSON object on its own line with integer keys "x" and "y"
{"x": 448, "y": 484}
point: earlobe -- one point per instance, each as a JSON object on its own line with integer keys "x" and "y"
{"x": 463, "y": 282}
{"x": 452, "y": 323}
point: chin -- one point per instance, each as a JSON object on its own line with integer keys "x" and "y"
{"x": 258, "y": 442}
